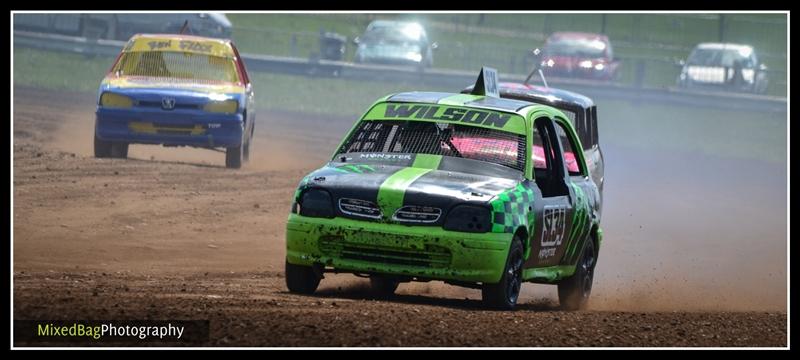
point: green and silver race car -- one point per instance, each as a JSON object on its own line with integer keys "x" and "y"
{"x": 470, "y": 189}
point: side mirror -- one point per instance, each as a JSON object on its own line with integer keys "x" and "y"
{"x": 356, "y": 40}
{"x": 680, "y": 63}
{"x": 762, "y": 67}
{"x": 434, "y": 45}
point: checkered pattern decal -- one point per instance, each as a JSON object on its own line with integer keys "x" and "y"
{"x": 513, "y": 208}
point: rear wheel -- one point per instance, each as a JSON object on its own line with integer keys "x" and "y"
{"x": 383, "y": 286}
{"x": 574, "y": 292}
{"x": 301, "y": 279}
{"x": 233, "y": 156}
{"x": 504, "y": 294}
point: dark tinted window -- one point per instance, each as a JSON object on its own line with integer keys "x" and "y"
{"x": 438, "y": 138}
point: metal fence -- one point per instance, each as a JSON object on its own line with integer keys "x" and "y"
{"x": 649, "y": 46}
{"x": 455, "y": 79}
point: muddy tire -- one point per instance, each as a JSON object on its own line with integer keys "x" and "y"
{"x": 301, "y": 279}
{"x": 574, "y": 292}
{"x": 504, "y": 294}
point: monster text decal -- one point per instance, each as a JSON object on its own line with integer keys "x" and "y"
{"x": 381, "y": 156}
{"x": 440, "y": 113}
{"x": 554, "y": 224}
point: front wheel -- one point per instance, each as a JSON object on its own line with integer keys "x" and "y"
{"x": 504, "y": 294}
{"x": 573, "y": 292}
{"x": 234, "y": 156}
{"x": 119, "y": 150}
{"x": 301, "y": 279}
{"x": 102, "y": 148}
{"x": 383, "y": 286}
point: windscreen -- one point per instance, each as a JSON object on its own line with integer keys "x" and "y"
{"x": 177, "y": 65}
{"x": 717, "y": 57}
{"x": 438, "y": 138}
{"x": 576, "y": 47}
{"x": 394, "y": 33}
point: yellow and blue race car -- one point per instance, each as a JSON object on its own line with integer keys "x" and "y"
{"x": 176, "y": 90}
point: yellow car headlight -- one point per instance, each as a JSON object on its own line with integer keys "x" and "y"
{"x": 227, "y": 106}
{"x": 112, "y": 100}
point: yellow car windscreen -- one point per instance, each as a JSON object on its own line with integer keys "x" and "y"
{"x": 177, "y": 65}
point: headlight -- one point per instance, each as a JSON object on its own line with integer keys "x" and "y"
{"x": 111, "y": 100}
{"x": 416, "y": 57}
{"x": 227, "y": 106}
{"x": 316, "y": 203}
{"x": 468, "y": 218}
{"x": 599, "y": 67}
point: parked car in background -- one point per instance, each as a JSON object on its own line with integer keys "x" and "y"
{"x": 124, "y": 25}
{"x": 395, "y": 42}
{"x": 724, "y": 66}
{"x": 582, "y": 55}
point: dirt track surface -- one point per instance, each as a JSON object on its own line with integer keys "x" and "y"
{"x": 172, "y": 234}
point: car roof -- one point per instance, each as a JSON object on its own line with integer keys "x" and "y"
{"x": 211, "y": 46}
{"x": 723, "y": 46}
{"x": 578, "y": 35}
{"x": 178, "y": 37}
{"x": 392, "y": 22}
{"x": 468, "y": 100}
{"x": 557, "y": 98}
{"x": 479, "y": 102}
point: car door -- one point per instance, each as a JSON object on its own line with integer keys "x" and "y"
{"x": 584, "y": 198}
{"x": 553, "y": 206}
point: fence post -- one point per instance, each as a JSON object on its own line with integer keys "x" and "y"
{"x": 722, "y": 28}
{"x": 603, "y": 24}
{"x": 547, "y": 25}
{"x": 638, "y": 79}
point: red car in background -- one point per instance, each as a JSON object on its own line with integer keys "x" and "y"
{"x": 582, "y": 55}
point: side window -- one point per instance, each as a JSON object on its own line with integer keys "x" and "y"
{"x": 570, "y": 156}
{"x": 240, "y": 64}
{"x": 586, "y": 134}
{"x": 540, "y": 161}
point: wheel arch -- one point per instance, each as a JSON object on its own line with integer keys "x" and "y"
{"x": 522, "y": 233}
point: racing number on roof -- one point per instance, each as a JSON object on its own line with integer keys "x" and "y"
{"x": 491, "y": 82}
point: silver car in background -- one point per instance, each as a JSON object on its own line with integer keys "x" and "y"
{"x": 724, "y": 66}
{"x": 395, "y": 42}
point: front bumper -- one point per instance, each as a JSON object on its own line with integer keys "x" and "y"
{"x": 169, "y": 128}
{"x": 411, "y": 251}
